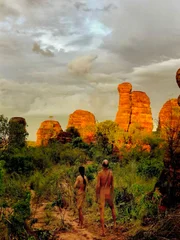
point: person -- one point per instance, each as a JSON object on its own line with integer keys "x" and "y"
{"x": 80, "y": 185}
{"x": 104, "y": 192}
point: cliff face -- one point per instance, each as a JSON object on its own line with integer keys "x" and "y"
{"x": 141, "y": 111}
{"x": 84, "y": 122}
{"x": 134, "y": 108}
{"x": 169, "y": 115}
{"x": 124, "y": 109}
{"x": 49, "y": 129}
{"x": 169, "y": 127}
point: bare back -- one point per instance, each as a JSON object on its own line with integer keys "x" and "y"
{"x": 105, "y": 184}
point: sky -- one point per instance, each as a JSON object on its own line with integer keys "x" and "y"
{"x": 57, "y": 56}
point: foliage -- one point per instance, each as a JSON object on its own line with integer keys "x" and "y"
{"x": 150, "y": 167}
{"x": 50, "y": 172}
{"x": 110, "y": 130}
{"x": 73, "y": 131}
{"x": 4, "y": 131}
{"x": 17, "y": 135}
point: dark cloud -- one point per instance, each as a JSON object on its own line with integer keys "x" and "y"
{"x": 37, "y": 49}
{"x": 146, "y": 50}
{"x": 6, "y": 10}
{"x": 79, "y": 5}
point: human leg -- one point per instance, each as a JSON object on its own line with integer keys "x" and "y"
{"x": 81, "y": 218}
{"x": 111, "y": 205}
{"x": 102, "y": 220}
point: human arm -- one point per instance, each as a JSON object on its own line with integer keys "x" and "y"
{"x": 98, "y": 187}
{"x": 76, "y": 184}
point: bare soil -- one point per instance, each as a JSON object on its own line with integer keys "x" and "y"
{"x": 64, "y": 225}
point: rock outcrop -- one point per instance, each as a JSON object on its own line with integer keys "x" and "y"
{"x": 134, "y": 108}
{"x": 49, "y": 129}
{"x": 169, "y": 127}
{"x": 123, "y": 116}
{"x": 84, "y": 122}
{"x": 19, "y": 120}
{"x": 141, "y": 111}
{"x": 169, "y": 116}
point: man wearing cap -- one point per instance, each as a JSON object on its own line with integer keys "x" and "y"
{"x": 104, "y": 192}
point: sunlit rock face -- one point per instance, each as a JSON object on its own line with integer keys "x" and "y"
{"x": 84, "y": 122}
{"x": 141, "y": 111}
{"x": 134, "y": 108}
{"x": 49, "y": 129}
{"x": 124, "y": 109}
{"x": 169, "y": 116}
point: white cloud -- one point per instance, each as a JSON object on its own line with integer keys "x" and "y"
{"x": 81, "y": 65}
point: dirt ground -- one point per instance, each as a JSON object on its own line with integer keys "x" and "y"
{"x": 65, "y": 225}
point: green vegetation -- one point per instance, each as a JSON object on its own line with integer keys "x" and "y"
{"x": 32, "y": 175}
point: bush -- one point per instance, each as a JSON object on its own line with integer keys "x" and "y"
{"x": 149, "y": 167}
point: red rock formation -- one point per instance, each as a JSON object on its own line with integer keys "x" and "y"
{"x": 124, "y": 108}
{"x": 169, "y": 116}
{"x": 19, "y": 120}
{"x": 84, "y": 122}
{"x": 49, "y": 129}
{"x": 134, "y": 108}
{"x": 169, "y": 127}
{"x": 141, "y": 111}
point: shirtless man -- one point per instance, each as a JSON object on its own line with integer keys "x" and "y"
{"x": 104, "y": 192}
{"x": 80, "y": 185}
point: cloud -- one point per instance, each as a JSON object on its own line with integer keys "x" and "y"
{"x": 158, "y": 81}
{"x": 37, "y": 49}
{"x": 81, "y": 65}
{"x": 142, "y": 35}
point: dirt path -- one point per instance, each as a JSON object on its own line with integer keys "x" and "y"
{"x": 72, "y": 231}
{"x": 89, "y": 232}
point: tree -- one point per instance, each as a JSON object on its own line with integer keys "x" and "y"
{"x": 109, "y": 129}
{"x": 17, "y": 133}
{"x": 4, "y": 131}
{"x": 73, "y": 131}
{"x": 170, "y": 132}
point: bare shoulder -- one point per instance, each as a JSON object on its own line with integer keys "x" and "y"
{"x": 78, "y": 177}
{"x": 100, "y": 172}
